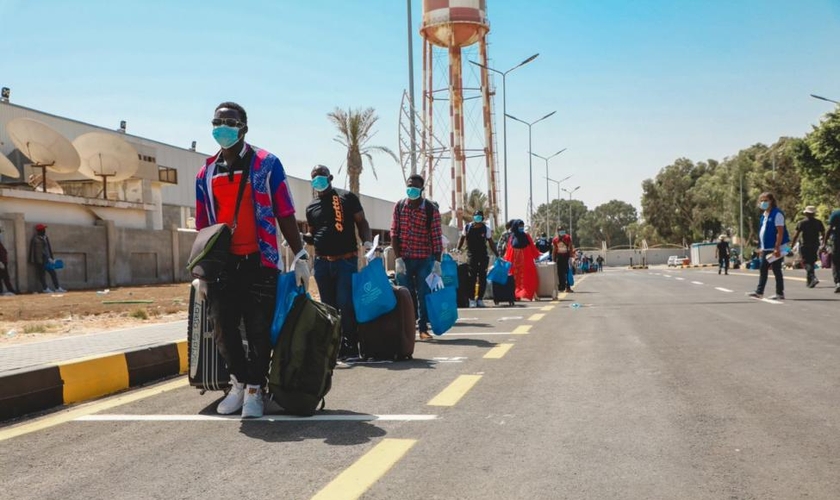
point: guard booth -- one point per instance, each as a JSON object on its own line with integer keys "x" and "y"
{"x": 703, "y": 253}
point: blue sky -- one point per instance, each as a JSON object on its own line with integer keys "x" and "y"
{"x": 635, "y": 84}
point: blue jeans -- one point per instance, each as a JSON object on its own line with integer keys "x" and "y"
{"x": 414, "y": 279}
{"x": 335, "y": 284}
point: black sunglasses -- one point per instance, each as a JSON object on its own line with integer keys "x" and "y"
{"x": 230, "y": 122}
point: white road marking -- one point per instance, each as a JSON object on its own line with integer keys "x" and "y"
{"x": 771, "y": 301}
{"x": 510, "y": 318}
{"x": 465, "y": 319}
{"x": 472, "y": 334}
{"x": 667, "y": 275}
{"x": 455, "y": 359}
{"x": 723, "y": 289}
{"x": 266, "y": 418}
{"x": 680, "y": 279}
{"x": 696, "y": 282}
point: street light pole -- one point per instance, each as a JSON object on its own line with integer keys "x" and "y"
{"x": 547, "y": 201}
{"x": 548, "y": 179}
{"x": 825, "y": 99}
{"x": 741, "y": 197}
{"x": 411, "y": 90}
{"x": 530, "y": 161}
{"x": 504, "y": 112}
{"x": 570, "y": 210}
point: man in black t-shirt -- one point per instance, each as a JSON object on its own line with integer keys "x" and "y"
{"x": 543, "y": 244}
{"x": 478, "y": 237}
{"x": 333, "y": 217}
{"x": 833, "y": 238}
{"x": 722, "y": 253}
{"x": 811, "y": 229}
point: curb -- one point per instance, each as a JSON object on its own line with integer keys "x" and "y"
{"x": 77, "y": 380}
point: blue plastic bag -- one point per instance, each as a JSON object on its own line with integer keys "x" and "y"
{"x": 442, "y": 308}
{"x": 500, "y": 271}
{"x": 373, "y": 295}
{"x": 287, "y": 290}
{"x": 54, "y": 265}
{"x": 449, "y": 271}
{"x": 570, "y": 278}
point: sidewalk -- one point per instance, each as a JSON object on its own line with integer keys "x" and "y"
{"x": 40, "y": 375}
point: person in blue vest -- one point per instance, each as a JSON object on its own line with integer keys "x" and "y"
{"x": 772, "y": 236}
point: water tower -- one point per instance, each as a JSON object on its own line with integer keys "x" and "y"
{"x": 453, "y": 25}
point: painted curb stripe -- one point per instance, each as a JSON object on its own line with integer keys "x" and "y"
{"x": 151, "y": 364}
{"x": 183, "y": 358}
{"x": 366, "y": 471}
{"x": 266, "y": 418}
{"x": 455, "y": 391}
{"x": 93, "y": 377}
{"x": 498, "y": 352}
{"x": 30, "y": 391}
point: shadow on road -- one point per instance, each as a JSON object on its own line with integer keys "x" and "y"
{"x": 335, "y": 433}
{"x": 468, "y": 342}
{"x": 477, "y": 325}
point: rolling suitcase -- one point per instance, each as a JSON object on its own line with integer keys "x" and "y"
{"x": 464, "y": 292}
{"x": 391, "y": 336}
{"x": 505, "y": 293}
{"x": 547, "y": 280}
{"x": 207, "y": 368}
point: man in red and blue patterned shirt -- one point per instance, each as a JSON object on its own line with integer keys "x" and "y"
{"x": 417, "y": 241}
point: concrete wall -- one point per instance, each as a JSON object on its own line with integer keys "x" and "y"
{"x": 651, "y": 256}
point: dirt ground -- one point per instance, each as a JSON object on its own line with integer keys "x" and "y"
{"x": 33, "y": 317}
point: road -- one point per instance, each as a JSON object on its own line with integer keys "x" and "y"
{"x": 663, "y": 384}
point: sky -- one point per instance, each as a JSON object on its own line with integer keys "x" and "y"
{"x": 635, "y": 85}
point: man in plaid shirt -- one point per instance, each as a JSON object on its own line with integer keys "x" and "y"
{"x": 417, "y": 242}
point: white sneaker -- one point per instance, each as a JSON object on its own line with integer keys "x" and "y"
{"x": 234, "y": 399}
{"x": 472, "y": 303}
{"x": 47, "y": 290}
{"x": 60, "y": 290}
{"x": 479, "y": 303}
{"x": 253, "y": 403}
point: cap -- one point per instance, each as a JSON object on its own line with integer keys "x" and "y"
{"x": 40, "y": 227}
{"x": 810, "y": 209}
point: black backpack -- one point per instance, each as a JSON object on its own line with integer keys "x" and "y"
{"x": 305, "y": 356}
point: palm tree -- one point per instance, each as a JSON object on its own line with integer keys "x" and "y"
{"x": 476, "y": 200}
{"x": 354, "y": 127}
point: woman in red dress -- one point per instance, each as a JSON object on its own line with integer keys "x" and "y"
{"x": 521, "y": 253}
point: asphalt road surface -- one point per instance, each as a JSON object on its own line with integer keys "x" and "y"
{"x": 662, "y": 384}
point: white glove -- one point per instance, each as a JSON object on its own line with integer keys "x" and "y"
{"x": 399, "y": 266}
{"x": 436, "y": 268}
{"x": 301, "y": 269}
{"x": 367, "y": 246}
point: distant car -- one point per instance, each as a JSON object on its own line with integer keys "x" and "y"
{"x": 674, "y": 261}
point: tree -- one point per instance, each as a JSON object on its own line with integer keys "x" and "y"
{"x": 476, "y": 200}
{"x": 558, "y": 213}
{"x": 354, "y": 127}
{"x": 817, "y": 160}
{"x": 609, "y": 223}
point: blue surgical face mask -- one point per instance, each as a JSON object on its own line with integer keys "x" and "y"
{"x": 226, "y": 135}
{"x": 413, "y": 192}
{"x": 478, "y": 218}
{"x": 561, "y": 233}
{"x": 320, "y": 183}
{"x": 764, "y": 205}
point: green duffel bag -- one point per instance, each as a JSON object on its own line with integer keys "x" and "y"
{"x": 304, "y": 357}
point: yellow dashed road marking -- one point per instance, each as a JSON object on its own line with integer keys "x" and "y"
{"x": 547, "y": 308}
{"x": 456, "y": 390}
{"x": 536, "y": 317}
{"x": 498, "y": 352}
{"x": 522, "y": 330}
{"x": 366, "y": 471}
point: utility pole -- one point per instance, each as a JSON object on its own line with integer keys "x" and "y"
{"x": 411, "y": 90}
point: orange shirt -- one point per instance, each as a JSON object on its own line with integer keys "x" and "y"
{"x": 224, "y": 190}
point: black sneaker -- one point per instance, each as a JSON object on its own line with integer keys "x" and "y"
{"x": 755, "y": 295}
{"x": 814, "y": 282}
{"x": 779, "y": 296}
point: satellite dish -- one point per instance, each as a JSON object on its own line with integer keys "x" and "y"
{"x": 45, "y": 148}
{"x": 8, "y": 168}
{"x": 105, "y": 155}
{"x": 37, "y": 182}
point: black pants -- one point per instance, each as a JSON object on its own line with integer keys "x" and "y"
{"x": 835, "y": 262}
{"x": 478, "y": 273}
{"x": 809, "y": 258}
{"x": 5, "y": 278}
{"x": 764, "y": 273}
{"x": 723, "y": 263}
{"x": 562, "y": 271}
{"x": 245, "y": 296}
{"x": 42, "y": 276}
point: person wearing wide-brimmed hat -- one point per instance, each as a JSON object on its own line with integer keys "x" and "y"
{"x": 812, "y": 231}
{"x": 722, "y": 253}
